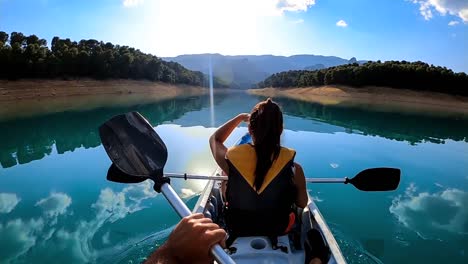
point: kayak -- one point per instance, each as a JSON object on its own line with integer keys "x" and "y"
{"x": 259, "y": 249}
{"x": 130, "y": 139}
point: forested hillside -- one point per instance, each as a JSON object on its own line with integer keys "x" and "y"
{"x": 29, "y": 57}
{"x": 394, "y": 74}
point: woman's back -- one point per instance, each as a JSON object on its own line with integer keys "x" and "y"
{"x": 262, "y": 185}
{"x": 264, "y": 211}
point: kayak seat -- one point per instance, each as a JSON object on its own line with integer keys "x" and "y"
{"x": 259, "y": 249}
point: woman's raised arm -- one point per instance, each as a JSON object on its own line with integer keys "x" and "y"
{"x": 218, "y": 149}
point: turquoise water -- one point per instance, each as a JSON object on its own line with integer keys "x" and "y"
{"x": 56, "y": 205}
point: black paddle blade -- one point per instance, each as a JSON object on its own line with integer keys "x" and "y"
{"x": 116, "y": 175}
{"x": 377, "y": 179}
{"x": 133, "y": 145}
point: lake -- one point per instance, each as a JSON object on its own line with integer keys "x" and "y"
{"x": 56, "y": 205}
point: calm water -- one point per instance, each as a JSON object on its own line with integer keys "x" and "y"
{"x": 57, "y": 207}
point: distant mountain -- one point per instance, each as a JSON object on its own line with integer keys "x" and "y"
{"x": 243, "y": 71}
{"x": 315, "y": 67}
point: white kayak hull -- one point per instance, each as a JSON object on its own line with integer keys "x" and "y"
{"x": 258, "y": 249}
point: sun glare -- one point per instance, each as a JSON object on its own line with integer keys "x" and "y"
{"x": 226, "y": 27}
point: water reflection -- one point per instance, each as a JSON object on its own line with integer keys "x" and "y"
{"x": 31, "y": 139}
{"x": 8, "y": 202}
{"x": 46, "y": 237}
{"x": 430, "y": 214}
{"x": 20, "y": 235}
{"x": 411, "y": 127}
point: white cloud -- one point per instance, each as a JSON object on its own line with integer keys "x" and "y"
{"x": 54, "y": 205}
{"x": 17, "y": 237}
{"x": 424, "y": 8}
{"x": 294, "y": 5}
{"x": 341, "y": 23}
{"x": 464, "y": 14}
{"x": 426, "y": 213}
{"x": 48, "y": 234}
{"x": 21, "y": 235}
{"x": 234, "y": 8}
{"x": 411, "y": 189}
{"x": 105, "y": 238}
{"x": 457, "y": 8}
{"x": 334, "y": 165}
{"x": 299, "y": 21}
{"x": 226, "y": 33}
{"x": 139, "y": 192}
{"x": 110, "y": 207}
{"x": 317, "y": 199}
{"x": 186, "y": 193}
{"x": 8, "y": 202}
{"x": 453, "y": 23}
{"x": 76, "y": 245}
{"x": 131, "y": 3}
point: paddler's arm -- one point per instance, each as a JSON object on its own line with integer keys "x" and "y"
{"x": 299, "y": 180}
{"x": 218, "y": 149}
{"x": 189, "y": 242}
{"x": 162, "y": 255}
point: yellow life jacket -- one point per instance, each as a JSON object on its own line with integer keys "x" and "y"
{"x": 264, "y": 211}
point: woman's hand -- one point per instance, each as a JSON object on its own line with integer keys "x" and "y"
{"x": 244, "y": 117}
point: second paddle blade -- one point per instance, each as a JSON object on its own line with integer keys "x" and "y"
{"x": 116, "y": 175}
{"x": 377, "y": 179}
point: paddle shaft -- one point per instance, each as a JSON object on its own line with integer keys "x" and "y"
{"x": 182, "y": 210}
{"x": 224, "y": 178}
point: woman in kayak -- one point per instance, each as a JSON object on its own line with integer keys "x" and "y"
{"x": 264, "y": 181}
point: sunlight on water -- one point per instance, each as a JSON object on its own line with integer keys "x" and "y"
{"x": 210, "y": 67}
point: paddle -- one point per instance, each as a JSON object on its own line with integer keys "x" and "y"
{"x": 388, "y": 179}
{"x": 138, "y": 153}
{"x": 374, "y": 179}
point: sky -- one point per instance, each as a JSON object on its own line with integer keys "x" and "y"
{"x": 433, "y": 31}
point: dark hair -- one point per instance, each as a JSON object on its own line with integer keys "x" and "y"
{"x": 265, "y": 126}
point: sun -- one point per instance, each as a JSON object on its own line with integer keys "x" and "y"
{"x": 220, "y": 26}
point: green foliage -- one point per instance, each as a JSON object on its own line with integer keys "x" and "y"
{"x": 3, "y": 38}
{"x": 29, "y": 57}
{"x": 396, "y": 74}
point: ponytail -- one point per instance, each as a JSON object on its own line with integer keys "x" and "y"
{"x": 266, "y": 126}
